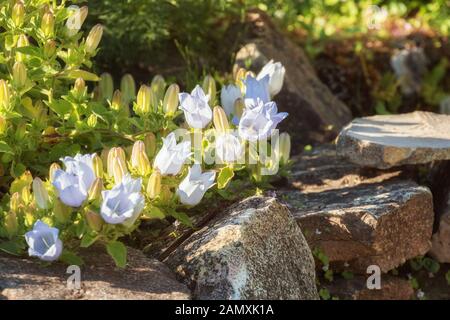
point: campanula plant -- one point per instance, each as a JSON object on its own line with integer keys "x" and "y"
{"x": 87, "y": 166}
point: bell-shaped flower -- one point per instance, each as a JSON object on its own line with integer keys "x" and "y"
{"x": 228, "y": 96}
{"x": 171, "y": 157}
{"x": 196, "y": 109}
{"x": 259, "y": 119}
{"x": 43, "y": 242}
{"x": 256, "y": 89}
{"x": 228, "y": 148}
{"x": 192, "y": 189}
{"x": 276, "y": 72}
{"x": 73, "y": 184}
{"x": 123, "y": 203}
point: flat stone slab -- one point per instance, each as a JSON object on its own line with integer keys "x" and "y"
{"x": 143, "y": 279}
{"x": 252, "y": 250}
{"x": 321, "y": 169}
{"x": 380, "y": 224}
{"x": 387, "y": 141}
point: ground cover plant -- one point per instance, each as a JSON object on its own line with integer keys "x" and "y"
{"x": 140, "y": 169}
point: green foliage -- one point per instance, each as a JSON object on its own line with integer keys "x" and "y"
{"x": 426, "y": 263}
{"x": 40, "y": 59}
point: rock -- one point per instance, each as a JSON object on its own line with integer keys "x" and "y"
{"x": 22, "y": 278}
{"x": 393, "y": 140}
{"x": 441, "y": 241}
{"x": 253, "y": 250}
{"x": 356, "y": 213}
{"x": 380, "y": 224}
{"x": 392, "y": 288}
{"x": 315, "y": 114}
{"x": 440, "y": 186}
{"x": 321, "y": 169}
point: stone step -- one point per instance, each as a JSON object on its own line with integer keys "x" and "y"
{"x": 252, "y": 250}
{"x": 143, "y": 279}
{"x": 386, "y": 141}
{"x": 358, "y": 217}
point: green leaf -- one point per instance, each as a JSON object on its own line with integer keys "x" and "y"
{"x": 71, "y": 258}
{"x": 224, "y": 177}
{"x": 14, "y": 247}
{"x": 88, "y": 240}
{"x": 5, "y": 148}
{"x": 61, "y": 107}
{"x": 347, "y": 275}
{"x": 431, "y": 265}
{"x": 118, "y": 252}
{"x": 87, "y": 76}
{"x": 30, "y": 50}
{"x": 154, "y": 213}
{"x": 182, "y": 217}
{"x": 324, "y": 294}
{"x": 447, "y": 277}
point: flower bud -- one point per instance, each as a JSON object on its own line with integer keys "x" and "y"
{"x": 11, "y": 224}
{"x": 61, "y": 211}
{"x": 94, "y": 220}
{"x": 53, "y": 168}
{"x": 15, "y": 202}
{"x": 93, "y": 39}
{"x": 48, "y": 24}
{"x": 150, "y": 144}
{"x": 22, "y": 42}
{"x": 158, "y": 86}
{"x": 26, "y": 195}
{"x": 40, "y": 194}
{"x": 170, "y": 103}
{"x": 239, "y": 107}
{"x": 112, "y": 154}
{"x": 97, "y": 165}
{"x": 76, "y": 20}
{"x": 166, "y": 194}
{"x": 3, "y": 125}
{"x": 119, "y": 169}
{"x": 104, "y": 157}
{"x": 19, "y": 74}
{"x": 79, "y": 89}
{"x": 4, "y": 95}
{"x": 21, "y": 131}
{"x": 116, "y": 103}
{"x": 209, "y": 87}
{"x": 95, "y": 191}
{"x": 128, "y": 89}
{"x": 144, "y": 100}
{"x": 220, "y": 119}
{"x": 18, "y": 14}
{"x": 92, "y": 121}
{"x": 139, "y": 159}
{"x": 285, "y": 147}
{"x": 154, "y": 185}
{"x": 239, "y": 78}
{"x": 49, "y": 48}
{"x": 106, "y": 87}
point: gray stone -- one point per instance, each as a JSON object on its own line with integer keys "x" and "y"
{"x": 393, "y": 140}
{"x": 380, "y": 224}
{"x": 253, "y": 250}
{"x": 315, "y": 114}
{"x": 143, "y": 278}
